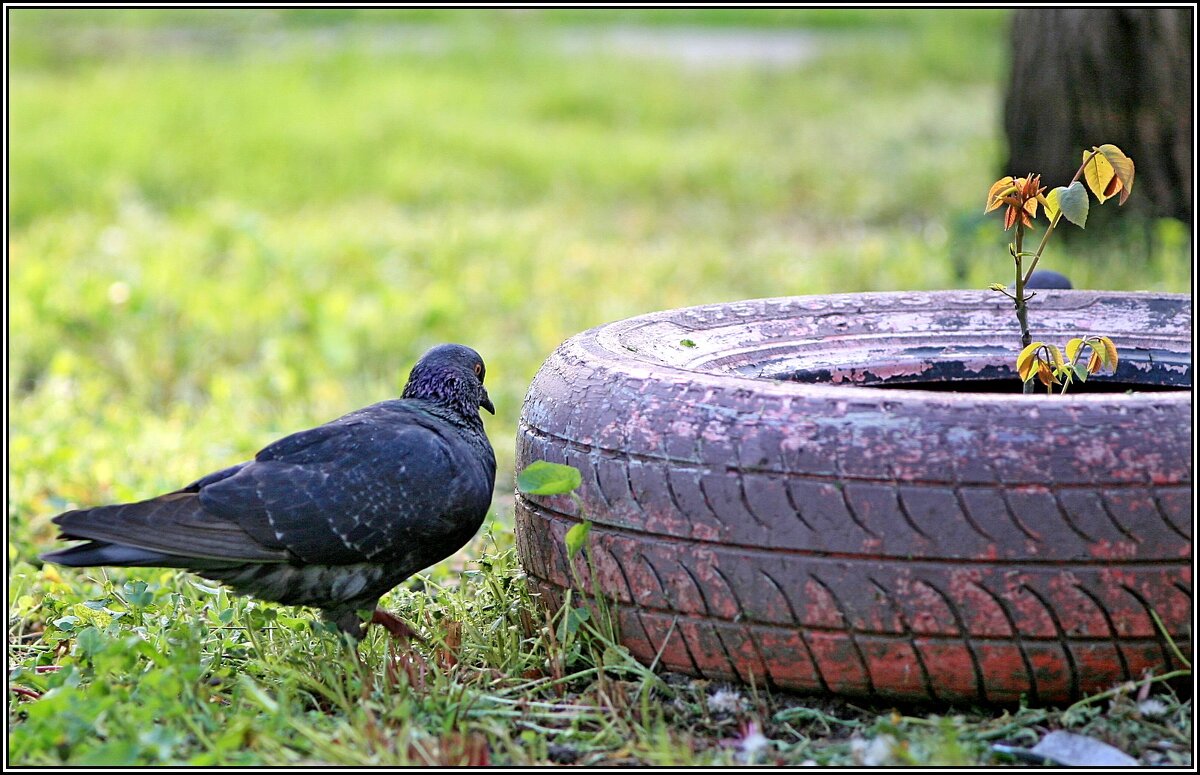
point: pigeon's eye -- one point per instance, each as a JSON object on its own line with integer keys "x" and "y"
{"x": 479, "y": 370}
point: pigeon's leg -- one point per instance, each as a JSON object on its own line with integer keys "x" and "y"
{"x": 396, "y": 626}
{"x": 402, "y": 656}
{"x": 348, "y": 622}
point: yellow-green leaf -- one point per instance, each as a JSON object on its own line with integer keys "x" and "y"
{"x": 1122, "y": 167}
{"x": 1110, "y": 353}
{"x": 1055, "y": 356}
{"x": 1071, "y": 200}
{"x": 1096, "y": 362}
{"x": 1050, "y": 202}
{"x": 1026, "y": 360}
{"x": 1073, "y": 348}
{"x": 1099, "y": 173}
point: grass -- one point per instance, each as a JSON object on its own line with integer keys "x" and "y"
{"x": 224, "y": 228}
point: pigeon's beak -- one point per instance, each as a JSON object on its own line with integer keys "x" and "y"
{"x": 486, "y": 402}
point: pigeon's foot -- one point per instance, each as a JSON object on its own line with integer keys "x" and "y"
{"x": 403, "y": 658}
{"x": 398, "y": 628}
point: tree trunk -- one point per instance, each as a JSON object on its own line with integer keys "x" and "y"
{"x": 1082, "y": 77}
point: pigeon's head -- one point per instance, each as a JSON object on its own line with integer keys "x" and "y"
{"x": 451, "y": 375}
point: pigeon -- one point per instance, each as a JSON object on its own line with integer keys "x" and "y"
{"x": 332, "y": 517}
{"x": 1048, "y": 279}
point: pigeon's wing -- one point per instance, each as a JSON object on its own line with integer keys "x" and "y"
{"x": 215, "y": 476}
{"x": 172, "y": 530}
{"x": 372, "y": 487}
{"x": 174, "y": 524}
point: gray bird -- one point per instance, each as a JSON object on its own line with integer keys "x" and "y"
{"x": 1048, "y": 279}
{"x": 331, "y": 517}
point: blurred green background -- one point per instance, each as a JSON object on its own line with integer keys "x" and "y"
{"x": 226, "y": 225}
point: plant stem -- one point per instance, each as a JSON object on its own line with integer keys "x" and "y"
{"x": 1170, "y": 641}
{"x": 1067, "y": 380}
{"x": 1019, "y": 301}
{"x": 1037, "y": 256}
{"x": 1128, "y": 687}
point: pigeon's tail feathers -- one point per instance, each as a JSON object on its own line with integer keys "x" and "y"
{"x": 174, "y": 526}
{"x": 103, "y": 553}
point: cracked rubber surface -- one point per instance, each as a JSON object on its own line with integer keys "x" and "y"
{"x": 833, "y": 537}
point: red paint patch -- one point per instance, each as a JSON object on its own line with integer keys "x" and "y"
{"x": 893, "y": 667}
{"x": 788, "y": 660}
{"x": 981, "y": 613}
{"x": 1004, "y": 671}
{"x": 951, "y": 669}
{"x": 839, "y": 662}
{"x": 820, "y": 609}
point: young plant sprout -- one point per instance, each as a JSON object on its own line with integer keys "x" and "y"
{"x": 1108, "y": 172}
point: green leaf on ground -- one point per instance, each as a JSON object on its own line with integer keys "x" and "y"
{"x": 545, "y": 478}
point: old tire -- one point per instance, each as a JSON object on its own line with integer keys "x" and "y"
{"x": 811, "y": 533}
